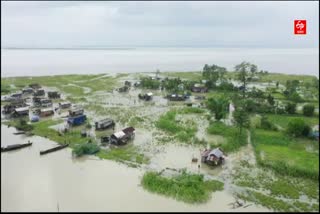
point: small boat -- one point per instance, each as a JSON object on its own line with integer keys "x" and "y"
{"x": 18, "y": 133}
{"x": 54, "y": 149}
{"x": 14, "y": 147}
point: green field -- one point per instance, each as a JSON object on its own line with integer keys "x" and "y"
{"x": 286, "y": 156}
{"x": 283, "y": 120}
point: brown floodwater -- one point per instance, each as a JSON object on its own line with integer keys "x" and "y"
{"x": 31, "y": 182}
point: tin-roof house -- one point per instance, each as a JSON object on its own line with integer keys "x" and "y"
{"x": 104, "y": 124}
{"x": 176, "y": 97}
{"x": 53, "y": 95}
{"x": 76, "y": 111}
{"x": 39, "y": 92}
{"x": 27, "y": 91}
{"x": 198, "y": 88}
{"x": 212, "y": 157}
{"x": 145, "y": 97}
{"x": 46, "y": 102}
{"x": 64, "y": 105}
{"x": 122, "y": 137}
{"x": 35, "y": 85}
{"x": 22, "y": 111}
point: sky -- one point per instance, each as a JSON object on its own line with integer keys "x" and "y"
{"x": 158, "y": 24}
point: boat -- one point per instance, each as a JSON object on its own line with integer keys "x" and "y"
{"x": 14, "y": 147}
{"x": 53, "y": 149}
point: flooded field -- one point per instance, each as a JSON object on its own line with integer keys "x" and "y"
{"x": 57, "y": 181}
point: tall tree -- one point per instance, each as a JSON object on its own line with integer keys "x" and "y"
{"x": 241, "y": 118}
{"x": 219, "y": 106}
{"x": 245, "y": 71}
{"x": 213, "y": 73}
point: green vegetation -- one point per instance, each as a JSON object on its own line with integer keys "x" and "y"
{"x": 308, "y": 110}
{"x": 283, "y": 120}
{"x": 21, "y": 124}
{"x": 219, "y": 106}
{"x": 290, "y": 108}
{"x": 233, "y": 138}
{"x": 184, "y": 75}
{"x": 128, "y": 154}
{"x": 189, "y": 188}
{"x": 284, "y": 155}
{"x": 86, "y": 149}
{"x": 183, "y": 132}
{"x": 298, "y": 128}
{"x": 149, "y": 83}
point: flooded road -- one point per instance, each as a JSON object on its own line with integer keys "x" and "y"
{"x": 57, "y": 181}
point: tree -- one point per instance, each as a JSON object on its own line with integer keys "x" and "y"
{"x": 298, "y": 128}
{"x": 308, "y": 110}
{"x": 270, "y": 99}
{"x": 290, "y": 108}
{"x": 213, "y": 73}
{"x": 277, "y": 84}
{"x": 219, "y": 106}
{"x": 241, "y": 118}
{"x": 244, "y": 69}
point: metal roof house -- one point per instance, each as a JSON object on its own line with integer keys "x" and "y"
{"x": 27, "y": 91}
{"x": 198, "y": 88}
{"x": 212, "y": 157}
{"x": 39, "y": 92}
{"x": 35, "y": 85}
{"x": 77, "y": 120}
{"x": 146, "y": 97}
{"x": 22, "y": 111}
{"x": 46, "y": 102}
{"x": 122, "y": 137}
{"x": 76, "y": 111}
{"x": 65, "y": 105}
{"x": 104, "y": 124}
{"x": 176, "y": 97}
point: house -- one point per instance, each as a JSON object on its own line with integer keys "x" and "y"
{"x": 212, "y": 157}
{"x": 64, "y": 105}
{"x": 104, "y": 124}
{"x": 35, "y": 86}
{"x": 198, "y": 88}
{"x": 16, "y": 96}
{"x": 39, "y": 92}
{"x": 146, "y": 97}
{"x": 176, "y": 97}
{"x": 122, "y": 137}
{"x": 77, "y": 120}
{"x": 127, "y": 83}
{"x": 45, "y": 102}
{"x": 123, "y": 89}
{"x": 46, "y": 112}
{"x": 76, "y": 111}
{"x": 53, "y": 95}
{"x": 27, "y": 91}
{"x": 137, "y": 84}
{"x": 22, "y": 111}
{"x": 17, "y": 103}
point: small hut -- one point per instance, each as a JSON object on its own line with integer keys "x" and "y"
{"x": 53, "y": 95}
{"x": 22, "y": 111}
{"x": 104, "y": 124}
{"x": 122, "y": 137}
{"x": 198, "y": 88}
{"x": 64, "y": 105}
{"x": 39, "y": 92}
{"x": 46, "y": 112}
{"x": 212, "y": 157}
{"x": 35, "y": 85}
{"x": 46, "y": 102}
{"x": 76, "y": 111}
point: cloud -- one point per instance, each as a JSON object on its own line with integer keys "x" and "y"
{"x": 260, "y": 24}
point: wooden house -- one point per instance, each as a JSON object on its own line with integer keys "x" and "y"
{"x": 212, "y": 157}
{"x": 46, "y": 112}
{"x": 39, "y": 92}
{"x": 46, "y": 103}
{"x": 122, "y": 137}
{"x": 27, "y": 91}
{"x": 53, "y": 95}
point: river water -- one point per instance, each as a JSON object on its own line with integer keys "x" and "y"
{"x": 39, "y": 62}
{"x": 30, "y": 182}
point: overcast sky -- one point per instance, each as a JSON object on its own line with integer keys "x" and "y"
{"x": 194, "y": 24}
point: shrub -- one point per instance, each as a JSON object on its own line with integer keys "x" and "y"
{"x": 266, "y": 124}
{"x": 308, "y": 110}
{"x": 297, "y": 128}
{"x": 24, "y": 126}
{"x": 86, "y": 149}
{"x": 149, "y": 83}
{"x": 291, "y": 108}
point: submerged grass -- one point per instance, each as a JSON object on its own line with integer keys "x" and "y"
{"x": 233, "y": 139}
{"x": 189, "y": 188}
{"x": 182, "y": 132}
{"x": 125, "y": 154}
{"x": 283, "y": 120}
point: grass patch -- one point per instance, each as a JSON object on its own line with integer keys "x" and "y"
{"x": 192, "y": 75}
{"x": 182, "y": 132}
{"x": 283, "y": 120}
{"x": 189, "y": 188}
{"x": 274, "y": 150}
{"x": 233, "y": 139}
{"x": 125, "y": 154}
